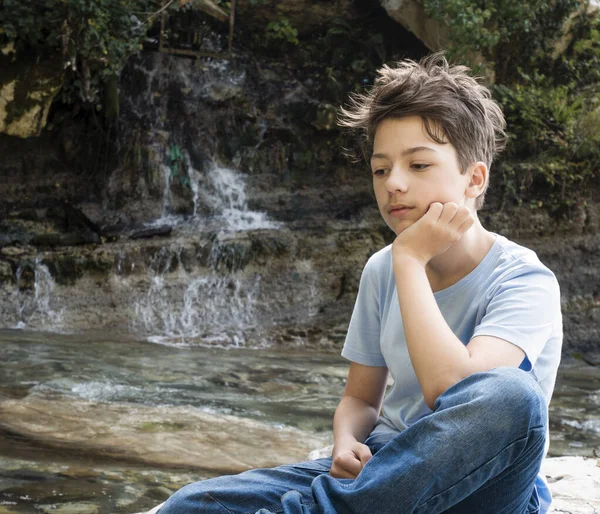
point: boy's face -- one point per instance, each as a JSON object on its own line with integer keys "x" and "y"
{"x": 411, "y": 171}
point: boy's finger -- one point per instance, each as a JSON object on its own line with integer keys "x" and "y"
{"x": 342, "y": 473}
{"x": 466, "y": 224}
{"x": 435, "y": 211}
{"x": 351, "y": 464}
{"x": 363, "y": 453}
{"x": 449, "y": 212}
{"x": 464, "y": 214}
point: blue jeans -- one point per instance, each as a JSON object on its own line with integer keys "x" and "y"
{"x": 478, "y": 452}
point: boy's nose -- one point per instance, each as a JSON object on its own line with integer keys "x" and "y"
{"x": 396, "y": 181}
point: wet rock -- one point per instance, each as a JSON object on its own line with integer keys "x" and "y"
{"x": 6, "y": 272}
{"x": 70, "y": 218}
{"x": 153, "y": 511}
{"x": 71, "y": 239}
{"x": 122, "y": 488}
{"x": 78, "y": 472}
{"x": 49, "y": 490}
{"x": 159, "y": 493}
{"x": 222, "y": 92}
{"x": 14, "y": 251}
{"x": 202, "y": 441}
{"x": 6, "y": 510}
{"x": 165, "y": 230}
{"x": 72, "y": 508}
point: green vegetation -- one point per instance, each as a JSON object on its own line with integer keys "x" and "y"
{"x": 176, "y": 160}
{"x": 542, "y": 55}
{"x": 549, "y": 88}
{"x": 505, "y": 33}
{"x": 157, "y": 426}
{"x": 282, "y": 30}
{"x": 94, "y": 38}
{"x": 554, "y": 148}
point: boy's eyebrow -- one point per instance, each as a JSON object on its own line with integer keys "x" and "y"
{"x": 404, "y": 153}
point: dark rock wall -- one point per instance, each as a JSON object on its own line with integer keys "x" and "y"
{"x": 73, "y": 197}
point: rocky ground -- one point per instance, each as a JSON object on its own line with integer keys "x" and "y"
{"x": 574, "y": 482}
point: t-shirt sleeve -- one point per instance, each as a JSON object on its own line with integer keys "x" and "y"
{"x": 524, "y": 310}
{"x": 362, "y": 340}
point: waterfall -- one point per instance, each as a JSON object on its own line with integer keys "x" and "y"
{"x": 215, "y": 304}
{"x": 229, "y": 201}
{"x": 210, "y": 307}
{"x": 37, "y": 306}
{"x": 221, "y": 189}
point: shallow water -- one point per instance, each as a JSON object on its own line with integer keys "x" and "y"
{"x": 271, "y": 389}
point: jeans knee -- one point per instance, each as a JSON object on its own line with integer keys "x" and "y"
{"x": 502, "y": 399}
{"x": 515, "y": 392}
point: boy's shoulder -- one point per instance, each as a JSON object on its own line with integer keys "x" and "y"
{"x": 381, "y": 257}
{"x": 380, "y": 262}
{"x": 516, "y": 258}
{"x": 513, "y": 269}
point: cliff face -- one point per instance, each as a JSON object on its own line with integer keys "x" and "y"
{"x": 220, "y": 206}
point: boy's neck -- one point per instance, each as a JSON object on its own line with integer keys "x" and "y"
{"x": 461, "y": 258}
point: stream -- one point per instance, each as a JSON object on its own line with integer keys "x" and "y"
{"x": 97, "y": 424}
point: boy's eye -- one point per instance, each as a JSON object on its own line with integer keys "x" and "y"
{"x": 419, "y": 166}
{"x": 379, "y": 173}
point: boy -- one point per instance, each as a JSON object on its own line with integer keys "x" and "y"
{"x": 467, "y": 323}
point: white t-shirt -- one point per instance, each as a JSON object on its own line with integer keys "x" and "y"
{"x": 510, "y": 295}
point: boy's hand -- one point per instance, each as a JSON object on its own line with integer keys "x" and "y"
{"x": 436, "y": 231}
{"x": 348, "y": 462}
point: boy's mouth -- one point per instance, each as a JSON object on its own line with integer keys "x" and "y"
{"x": 399, "y": 211}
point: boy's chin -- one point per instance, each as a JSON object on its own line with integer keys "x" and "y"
{"x": 399, "y": 226}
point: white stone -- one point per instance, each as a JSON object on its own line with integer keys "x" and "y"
{"x": 575, "y": 484}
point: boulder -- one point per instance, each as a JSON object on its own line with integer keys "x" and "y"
{"x": 156, "y": 436}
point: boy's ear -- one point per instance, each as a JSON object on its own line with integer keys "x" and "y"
{"x": 478, "y": 177}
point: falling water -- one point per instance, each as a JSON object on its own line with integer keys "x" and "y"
{"x": 213, "y": 305}
{"x": 230, "y": 202}
{"x": 37, "y": 307}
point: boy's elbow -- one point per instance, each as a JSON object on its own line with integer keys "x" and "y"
{"x": 432, "y": 393}
{"x": 430, "y": 400}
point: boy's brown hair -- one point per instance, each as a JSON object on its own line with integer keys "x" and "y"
{"x": 455, "y": 107}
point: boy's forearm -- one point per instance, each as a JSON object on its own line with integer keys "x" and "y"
{"x": 438, "y": 357}
{"x": 353, "y": 420}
